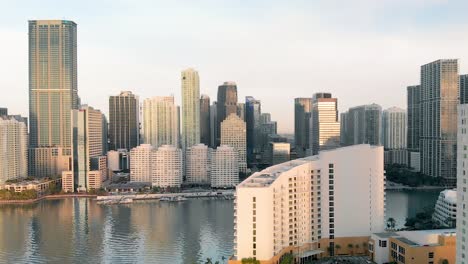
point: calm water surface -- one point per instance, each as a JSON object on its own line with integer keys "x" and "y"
{"x": 80, "y": 231}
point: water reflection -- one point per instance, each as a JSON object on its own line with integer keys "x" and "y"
{"x": 80, "y": 231}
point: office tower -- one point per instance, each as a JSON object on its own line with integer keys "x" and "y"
{"x": 190, "y": 108}
{"x": 394, "y": 130}
{"x": 265, "y": 118}
{"x": 266, "y": 130}
{"x": 213, "y": 123}
{"x": 13, "y": 149}
{"x": 227, "y": 104}
{"x": 462, "y": 184}
{"x": 302, "y": 112}
{"x": 124, "y": 121}
{"x": 53, "y": 90}
{"x": 49, "y": 162}
{"x": 233, "y": 134}
{"x": 343, "y": 129}
{"x": 414, "y": 117}
{"x": 167, "y": 168}
{"x": 438, "y": 135}
{"x": 99, "y": 164}
{"x": 87, "y": 144}
{"x": 306, "y": 206}
{"x": 105, "y": 134}
{"x": 224, "y": 167}
{"x": 280, "y": 152}
{"x": 241, "y": 110}
{"x": 140, "y": 163}
{"x": 160, "y": 121}
{"x": 464, "y": 89}
{"x": 324, "y": 124}
{"x": 252, "y": 119}
{"x": 198, "y": 165}
{"x": 363, "y": 125}
{"x": 205, "y": 128}
{"x": 68, "y": 183}
{"x": 3, "y": 111}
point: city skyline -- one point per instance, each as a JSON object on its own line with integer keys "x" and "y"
{"x": 402, "y": 44}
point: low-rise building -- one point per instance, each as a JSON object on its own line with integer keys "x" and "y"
{"x": 416, "y": 247}
{"x": 40, "y": 186}
{"x": 68, "y": 182}
{"x": 94, "y": 180}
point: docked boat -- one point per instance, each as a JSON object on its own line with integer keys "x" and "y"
{"x": 173, "y": 199}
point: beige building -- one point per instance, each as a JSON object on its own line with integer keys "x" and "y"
{"x": 190, "y": 108}
{"x": 462, "y": 180}
{"x": 306, "y": 206}
{"x": 160, "y": 121}
{"x": 324, "y": 124}
{"x": 224, "y": 167}
{"x": 94, "y": 179}
{"x": 198, "y": 164}
{"x": 40, "y": 186}
{"x": 234, "y": 134}
{"x": 140, "y": 163}
{"x": 48, "y": 162}
{"x": 167, "y": 167}
{"x": 13, "y": 149}
{"x": 68, "y": 182}
{"x": 416, "y": 247}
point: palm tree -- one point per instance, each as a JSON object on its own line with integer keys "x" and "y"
{"x": 350, "y": 247}
{"x": 391, "y": 223}
{"x": 337, "y": 247}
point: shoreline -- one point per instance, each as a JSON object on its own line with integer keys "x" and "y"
{"x": 47, "y": 197}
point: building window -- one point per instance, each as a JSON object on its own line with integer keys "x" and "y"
{"x": 431, "y": 254}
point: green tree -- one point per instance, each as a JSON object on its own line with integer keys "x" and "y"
{"x": 208, "y": 261}
{"x": 391, "y": 223}
{"x": 250, "y": 261}
{"x": 337, "y": 248}
{"x": 445, "y": 261}
{"x": 350, "y": 247}
{"x": 287, "y": 259}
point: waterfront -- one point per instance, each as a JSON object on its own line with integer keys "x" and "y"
{"x": 77, "y": 230}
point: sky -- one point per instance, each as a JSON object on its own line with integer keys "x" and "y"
{"x": 362, "y": 51}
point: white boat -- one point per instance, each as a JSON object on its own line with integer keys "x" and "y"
{"x": 173, "y": 199}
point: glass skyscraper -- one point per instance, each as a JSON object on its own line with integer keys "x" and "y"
{"x": 53, "y": 90}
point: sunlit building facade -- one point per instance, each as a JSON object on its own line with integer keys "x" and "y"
{"x": 233, "y": 133}
{"x": 324, "y": 124}
{"x": 160, "y": 121}
{"x": 190, "y": 108}
{"x": 13, "y": 149}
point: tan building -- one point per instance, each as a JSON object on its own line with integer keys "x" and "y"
{"x": 48, "y": 162}
{"x": 190, "y": 108}
{"x": 160, "y": 121}
{"x": 415, "y": 247}
{"x": 324, "y": 124}
{"x": 234, "y": 134}
{"x": 94, "y": 180}
{"x": 68, "y": 181}
{"x": 198, "y": 164}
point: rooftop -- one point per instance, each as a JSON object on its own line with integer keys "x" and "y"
{"x": 450, "y": 196}
{"x": 418, "y": 238}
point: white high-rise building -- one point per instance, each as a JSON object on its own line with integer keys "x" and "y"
{"x": 462, "y": 185}
{"x": 308, "y": 206}
{"x": 394, "y": 128}
{"x": 13, "y": 149}
{"x": 167, "y": 168}
{"x": 234, "y": 134}
{"x": 160, "y": 121}
{"x": 198, "y": 164}
{"x": 190, "y": 108}
{"x": 224, "y": 167}
{"x": 140, "y": 163}
{"x": 87, "y": 143}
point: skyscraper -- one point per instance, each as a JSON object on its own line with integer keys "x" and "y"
{"x": 160, "y": 121}
{"x": 205, "y": 128}
{"x": 241, "y": 110}
{"x": 87, "y": 144}
{"x": 462, "y": 183}
{"x": 167, "y": 167}
{"x": 190, "y": 108}
{"x": 302, "y": 112}
{"x": 140, "y": 163}
{"x": 363, "y": 125}
{"x": 394, "y": 123}
{"x": 252, "y": 118}
{"x": 233, "y": 134}
{"x": 438, "y": 136}
{"x": 227, "y": 104}
{"x": 198, "y": 164}
{"x": 324, "y": 124}
{"x": 224, "y": 167}
{"x": 213, "y": 122}
{"x": 53, "y": 89}
{"x": 13, "y": 149}
{"x": 464, "y": 89}
{"x": 124, "y": 121}
{"x": 414, "y": 117}
{"x": 3, "y": 111}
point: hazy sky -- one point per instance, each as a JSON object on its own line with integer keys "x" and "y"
{"x": 362, "y": 51}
